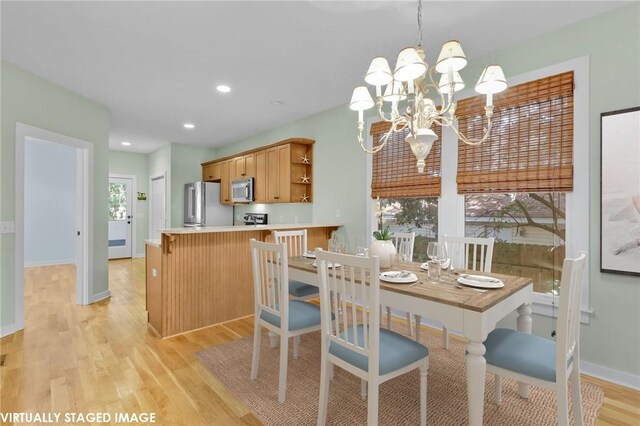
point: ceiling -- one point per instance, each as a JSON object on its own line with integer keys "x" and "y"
{"x": 156, "y": 64}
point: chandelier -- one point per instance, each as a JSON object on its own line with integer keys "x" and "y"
{"x": 413, "y": 80}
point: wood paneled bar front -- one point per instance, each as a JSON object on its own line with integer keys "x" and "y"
{"x": 200, "y": 277}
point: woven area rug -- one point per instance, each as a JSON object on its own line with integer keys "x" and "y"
{"x": 399, "y": 397}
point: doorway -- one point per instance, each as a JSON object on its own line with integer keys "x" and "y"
{"x": 78, "y": 203}
{"x": 121, "y": 212}
{"x": 158, "y": 214}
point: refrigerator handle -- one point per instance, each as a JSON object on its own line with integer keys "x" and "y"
{"x": 190, "y": 203}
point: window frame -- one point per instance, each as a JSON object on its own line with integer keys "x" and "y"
{"x": 451, "y": 206}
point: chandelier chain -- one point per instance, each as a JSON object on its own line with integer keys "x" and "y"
{"x": 419, "y": 23}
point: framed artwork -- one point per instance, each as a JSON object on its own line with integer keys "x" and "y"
{"x": 620, "y": 192}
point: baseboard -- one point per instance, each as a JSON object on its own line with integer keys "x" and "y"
{"x": 594, "y": 370}
{"x": 138, "y": 255}
{"x": 610, "y": 375}
{"x": 49, "y": 263}
{"x": 100, "y": 296}
{"x": 9, "y": 329}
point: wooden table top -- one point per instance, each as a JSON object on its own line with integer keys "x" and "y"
{"x": 444, "y": 292}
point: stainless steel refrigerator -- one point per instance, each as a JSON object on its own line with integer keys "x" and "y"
{"x": 202, "y": 205}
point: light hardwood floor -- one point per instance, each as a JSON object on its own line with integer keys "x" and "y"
{"x": 100, "y": 358}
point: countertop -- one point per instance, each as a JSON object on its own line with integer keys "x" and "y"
{"x": 242, "y": 228}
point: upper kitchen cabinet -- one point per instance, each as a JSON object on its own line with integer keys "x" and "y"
{"x": 278, "y": 172}
{"x": 282, "y": 172}
{"x": 211, "y": 172}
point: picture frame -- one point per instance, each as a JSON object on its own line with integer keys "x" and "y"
{"x": 620, "y": 192}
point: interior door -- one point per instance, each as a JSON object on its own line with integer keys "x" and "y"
{"x": 120, "y": 217}
{"x": 158, "y": 216}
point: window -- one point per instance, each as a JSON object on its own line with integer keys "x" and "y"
{"x": 529, "y": 231}
{"x": 419, "y": 215}
{"x": 515, "y": 184}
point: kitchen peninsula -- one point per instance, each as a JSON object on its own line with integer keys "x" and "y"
{"x": 197, "y": 277}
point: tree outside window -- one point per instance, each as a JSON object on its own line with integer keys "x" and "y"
{"x": 117, "y": 201}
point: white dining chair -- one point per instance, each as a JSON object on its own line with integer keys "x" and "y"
{"x": 543, "y": 362}
{"x": 354, "y": 341}
{"x": 273, "y": 309}
{"x": 404, "y": 242}
{"x": 465, "y": 253}
{"x": 297, "y": 246}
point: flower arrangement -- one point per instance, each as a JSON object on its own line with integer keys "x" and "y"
{"x": 383, "y": 233}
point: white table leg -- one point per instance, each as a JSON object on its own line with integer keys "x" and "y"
{"x": 476, "y": 367}
{"x": 524, "y": 325}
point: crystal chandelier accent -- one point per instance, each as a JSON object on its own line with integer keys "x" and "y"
{"x": 413, "y": 80}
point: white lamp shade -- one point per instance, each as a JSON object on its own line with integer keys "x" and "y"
{"x": 379, "y": 72}
{"x": 491, "y": 81}
{"x": 458, "y": 84}
{"x": 394, "y": 92}
{"x": 361, "y": 99}
{"x": 451, "y": 57}
{"x": 421, "y": 145}
{"x": 409, "y": 65}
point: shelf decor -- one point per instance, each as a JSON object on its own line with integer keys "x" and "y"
{"x": 305, "y": 159}
{"x": 304, "y": 198}
{"x": 304, "y": 179}
{"x": 620, "y": 192}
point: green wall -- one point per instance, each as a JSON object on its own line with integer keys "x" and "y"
{"x": 185, "y": 168}
{"x": 612, "y": 41}
{"x": 32, "y": 100}
{"x": 132, "y": 163}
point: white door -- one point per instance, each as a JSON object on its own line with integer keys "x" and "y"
{"x": 120, "y": 217}
{"x": 158, "y": 215}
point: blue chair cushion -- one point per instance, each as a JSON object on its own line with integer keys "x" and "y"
{"x": 298, "y": 289}
{"x": 523, "y": 353}
{"x": 396, "y": 351}
{"x": 301, "y": 315}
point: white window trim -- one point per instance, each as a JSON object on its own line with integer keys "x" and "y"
{"x": 451, "y": 204}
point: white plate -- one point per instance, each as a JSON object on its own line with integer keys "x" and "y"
{"x": 483, "y": 282}
{"x": 398, "y": 277}
{"x": 424, "y": 266}
{"x": 331, "y": 265}
{"x": 310, "y": 255}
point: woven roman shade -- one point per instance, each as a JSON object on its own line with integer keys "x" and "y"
{"x": 395, "y": 174}
{"x": 531, "y": 144}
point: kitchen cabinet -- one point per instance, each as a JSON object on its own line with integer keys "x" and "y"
{"x": 282, "y": 172}
{"x": 225, "y": 182}
{"x": 278, "y": 174}
{"x": 260, "y": 177}
{"x": 211, "y": 172}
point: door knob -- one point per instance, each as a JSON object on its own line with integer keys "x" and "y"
{"x": 129, "y": 222}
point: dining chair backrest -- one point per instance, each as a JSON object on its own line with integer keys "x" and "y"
{"x": 569, "y": 316}
{"x": 345, "y": 293}
{"x": 470, "y": 253}
{"x": 270, "y": 278}
{"x": 404, "y": 243}
{"x": 296, "y": 241}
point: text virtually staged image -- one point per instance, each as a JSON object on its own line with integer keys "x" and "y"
{"x": 312, "y": 212}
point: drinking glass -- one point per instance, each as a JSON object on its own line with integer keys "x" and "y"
{"x": 433, "y": 270}
{"x": 432, "y": 250}
{"x": 444, "y": 258}
{"x": 361, "y": 248}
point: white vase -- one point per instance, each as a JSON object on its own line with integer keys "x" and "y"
{"x": 385, "y": 250}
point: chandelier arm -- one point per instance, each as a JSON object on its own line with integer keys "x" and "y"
{"x": 377, "y": 148}
{"x": 474, "y": 142}
{"x": 435, "y": 86}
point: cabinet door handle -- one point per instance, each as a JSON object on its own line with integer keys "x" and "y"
{"x": 276, "y": 198}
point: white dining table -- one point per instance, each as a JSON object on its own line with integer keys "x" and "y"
{"x": 475, "y": 314}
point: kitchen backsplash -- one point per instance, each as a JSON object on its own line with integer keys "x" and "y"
{"x": 278, "y": 213}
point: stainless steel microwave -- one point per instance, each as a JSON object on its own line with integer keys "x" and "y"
{"x": 242, "y": 190}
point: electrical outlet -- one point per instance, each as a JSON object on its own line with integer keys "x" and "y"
{"x": 154, "y": 272}
{"x": 337, "y": 212}
{"x": 7, "y": 228}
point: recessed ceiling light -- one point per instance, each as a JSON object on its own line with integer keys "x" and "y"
{"x": 125, "y": 143}
{"x": 223, "y": 88}
{"x": 277, "y": 103}
{"x": 189, "y": 125}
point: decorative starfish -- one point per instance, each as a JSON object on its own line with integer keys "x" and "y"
{"x": 305, "y": 198}
{"x": 305, "y": 159}
{"x": 305, "y": 178}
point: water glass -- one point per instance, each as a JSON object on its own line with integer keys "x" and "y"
{"x": 361, "y": 248}
{"x": 433, "y": 270}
